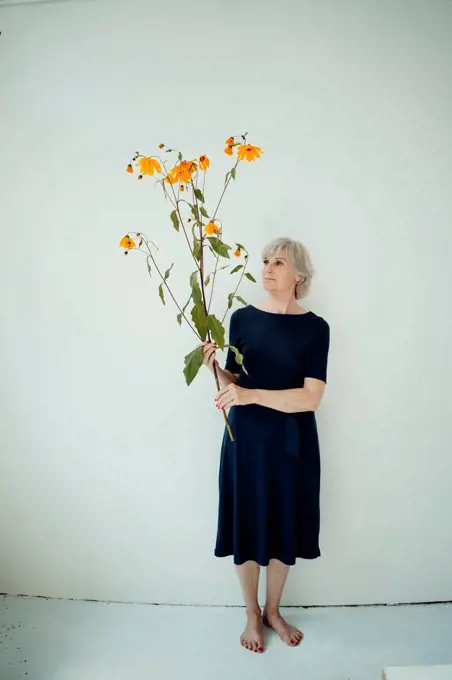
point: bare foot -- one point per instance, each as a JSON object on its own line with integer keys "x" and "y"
{"x": 253, "y": 635}
{"x": 288, "y": 634}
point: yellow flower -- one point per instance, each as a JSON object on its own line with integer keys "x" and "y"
{"x": 204, "y": 163}
{"x": 230, "y": 141}
{"x": 149, "y": 165}
{"x": 182, "y": 172}
{"x": 229, "y": 150}
{"x": 247, "y": 152}
{"x": 129, "y": 168}
{"x": 211, "y": 228}
{"x": 238, "y": 252}
{"x": 127, "y": 243}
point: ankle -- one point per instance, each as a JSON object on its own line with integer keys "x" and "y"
{"x": 271, "y": 610}
{"x": 253, "y": 610}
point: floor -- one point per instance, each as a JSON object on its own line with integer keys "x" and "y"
{"x": 44, "y": 639}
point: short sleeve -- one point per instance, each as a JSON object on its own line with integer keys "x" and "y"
{"x": 318, "y": 354}
{"x": 235, "y": 341}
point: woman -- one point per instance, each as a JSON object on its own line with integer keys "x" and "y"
{"x": 270, "y": 475}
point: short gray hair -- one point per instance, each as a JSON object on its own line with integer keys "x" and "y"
{"x": 299, "y": 257}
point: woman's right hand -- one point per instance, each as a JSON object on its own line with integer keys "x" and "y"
{"x": 210, "y": 359}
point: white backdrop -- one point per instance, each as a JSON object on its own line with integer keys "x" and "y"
{"x": 108, "y": 462}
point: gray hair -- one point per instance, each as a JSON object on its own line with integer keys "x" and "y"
{"x": 299, "y": 257}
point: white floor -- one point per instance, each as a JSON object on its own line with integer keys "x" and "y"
{"x": 67, "y": 640}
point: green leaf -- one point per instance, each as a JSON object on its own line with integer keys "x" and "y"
{"x": 239, "y": 245}
{"x": 233, "y": 173}
{"x": 207, "y": 281}
{"x": 219, "y": 247}
{"x": 238, "y": 357}
{"x": 230, "y": 300}
{"x": 179, "y": 319}
{"x": 199, "y": 195}
{"x": 216, "y": 329}
{"x": 193, "y": 363}
{"x": 195, "y": 212}
{"x": 167, "y": 273}
{"x": 240, "y": 299}
{"x": 227, "y": 177}
{"x": 149, "y": 267}
{"x": 175, "y": 220}
{"x": 237, "y": 269}
{"x": 204, "y": 212}
{"x": 195, "y": 289}
{"x": 197, "y": 249}
{"x": 198, "y": 315}
{"x": 250, "y": 277}
{"x": 179, "y": 155}
{"x": 162, "y": 297}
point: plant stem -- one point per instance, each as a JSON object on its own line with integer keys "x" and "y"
{"x": 228, "y": 427}
{"x": 203, "y": 293}
{"x": 150, "y": 256}
{"x": 218, "y": 255}
{"x": 176, "y": 204}
{"x": 236, "y": 288}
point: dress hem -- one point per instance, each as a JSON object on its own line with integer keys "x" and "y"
{"x": 265, "y": 563}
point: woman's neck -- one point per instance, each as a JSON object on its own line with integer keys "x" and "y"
{"x": 281, "y": 306}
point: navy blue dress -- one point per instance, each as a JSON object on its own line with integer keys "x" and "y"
{"x": 270, "y": 475}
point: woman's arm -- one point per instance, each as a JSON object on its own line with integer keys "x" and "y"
{"x": 298, "y": 400}
{"x": 226, "y": 377}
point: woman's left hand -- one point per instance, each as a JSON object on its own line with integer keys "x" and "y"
{"x": 233, "y": 395}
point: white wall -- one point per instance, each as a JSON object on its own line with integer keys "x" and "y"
{"x": 108, "y": 462}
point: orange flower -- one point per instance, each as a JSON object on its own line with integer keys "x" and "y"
{"x": 129, "y": 168}
{"x": 211, "y": 228}
{"x": 161, "y": 146}
{"x": 230, "y": 141}
{"x": 127, "y": 243}
{"x": 204, "y": 163}
{"x": 238, "y": 252}
{"x": 229, "y": 150}
{"x": 247, "y": 152}
{"x": 182, "y": 172}
{"x": 149, "y": 165}
{"x": 182, "y": 188}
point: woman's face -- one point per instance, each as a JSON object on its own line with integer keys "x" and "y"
{"x": 278, "y": 274}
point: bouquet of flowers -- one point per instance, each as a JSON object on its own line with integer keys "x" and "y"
{"x": 183, "y": 184}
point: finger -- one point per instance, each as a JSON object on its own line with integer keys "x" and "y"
{"x": 226, "y": 401}
{"x": 212, "y": 361}
{"x": 207, "y": 346}
{"x": 209, "y": 351}
{"x": 224, "y": 390}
